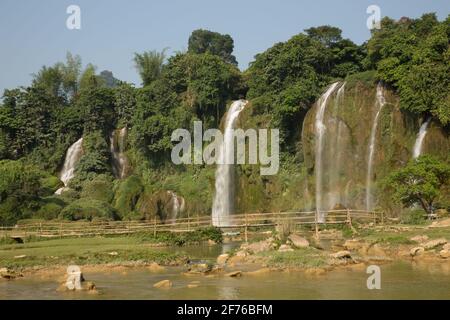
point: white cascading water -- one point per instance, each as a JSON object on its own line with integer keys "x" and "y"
{"x": 380, "y": 102}
{"x": 73, "y": 156}
{"x": 336, "y": 150}
{"x": 417, "y": 151}
{"x": 223, "y": 204}
{"x": 120, "y": 161}
{"x": 320, "y": 131}
{"x": 176, "y": 206}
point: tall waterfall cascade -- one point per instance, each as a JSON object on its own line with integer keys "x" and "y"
{"x": 335, "y": 150}
{"x": 320, "y": 129}
{"x": 117, "y": 148}
{"x": 223, "y": 204}
{"x": 73, "y": 156}
{"x": 380, "y": 102}
{"x": 418, "y": 145}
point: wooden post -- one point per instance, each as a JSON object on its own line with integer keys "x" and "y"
{"x": 382, "y": 217}
{"x": 349, "y": 218}
{"x": 60, "y": 230}
{"x": 316, "y": 219}
{"x": 189, "y": 222}
{"x": 154, "y": 227}
{"x": 245, "y": 231}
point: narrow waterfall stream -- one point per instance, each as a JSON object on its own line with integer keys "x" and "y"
{"x": 320, "y": 131}
{"x": 417, "y": 151}
{"x": 177, "y": 205}
{"x": 73, "y": 156}
{"x": 223, "y": 204}
{"x": 380, "y": 102}
{"x": 119, "y": 159}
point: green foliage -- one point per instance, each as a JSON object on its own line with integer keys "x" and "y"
{"x": 149, "y": 65}
{"x": 286, "y": 79}
{"x": 179, "y": 239}
{"x": 88, "y": 209}
{"x": 127, "y": 194}
{"x": 413, "y": 217}
{"x": 205, "y": 41}
{"x": 49, "y": 184}
{"x": 50, "y": 209}
{"x": 99, "y": 188}
{"x": 421, "y": 181}
{"x": 97, "y": 105}
{"x": 19, "y": 187}
{"x": 125, "y": 103}
{"x": 95, "y": 159}
{"x": 413, "y": 55}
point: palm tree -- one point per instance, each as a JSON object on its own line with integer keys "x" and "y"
{"x": 149, "y": 65}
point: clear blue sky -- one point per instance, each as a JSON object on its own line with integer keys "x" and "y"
{"x": 34, "y": 33}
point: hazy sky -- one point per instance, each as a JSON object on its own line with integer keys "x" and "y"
{"x": 34, "y": 33}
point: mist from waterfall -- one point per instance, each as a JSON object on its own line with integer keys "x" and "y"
{"x": 320, "y": 129}
{"x": 223, "y": 204}
{"x": 417, "y": 151}
{"x": 380, "y": 102}
{"x": 117, "y": 148}
{"x": 73, "y": 156}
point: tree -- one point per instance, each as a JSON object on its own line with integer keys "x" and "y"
{"x": 19, "y": 186}
{"x": 327, "y": 35}
{"x": 205, "y": 41}
{"x": 149, "y": 65}
{"x": 421, "y": 181}
{"x": 413, "y": 56}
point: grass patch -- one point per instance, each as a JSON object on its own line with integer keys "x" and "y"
{"x": 82, "y": 251}
{"x": 301, "y": 258}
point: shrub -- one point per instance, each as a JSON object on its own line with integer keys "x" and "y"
{"x": 88, "y": 209}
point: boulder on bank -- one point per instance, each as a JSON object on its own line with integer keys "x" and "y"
{"x": 8, "y": 274}
{"x": 222, "y": 259}
{"x": 154, "y": 267}
{"x": 163, "y": 284}
{"x": 258, "y": 272}
{"x": 434, "y": 243}
{"x": 344, "y": 254}
{"x": 285, "y": 248}
{"x": 416, "y": 251}
{"x": 419, "y": 239}
{"x": 441, "y": 223}
{"x": 444, "y": 254}
{"x": 260, "y": 246}
{"x": 234, "y": 274}
{"x": 298, "y": 241}
{"x": 354, "y": 244}
{"x": 199, "y": 268}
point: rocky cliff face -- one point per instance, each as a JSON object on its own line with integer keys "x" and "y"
{"x": 348, "y": 119}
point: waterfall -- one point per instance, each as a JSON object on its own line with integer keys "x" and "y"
{"x": 73, "y": 156}
{"x": 336, "y": 151}
{"x": 420, "y": 139}
{"x": 223, "y": 204}
{"x": 320, "y": 130}
{"x": 380, "y": 101}
{"x": 176, "y": 206}
{"x": 117, "y": 147}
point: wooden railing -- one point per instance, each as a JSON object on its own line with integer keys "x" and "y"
{"x": 236, "y": 221}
